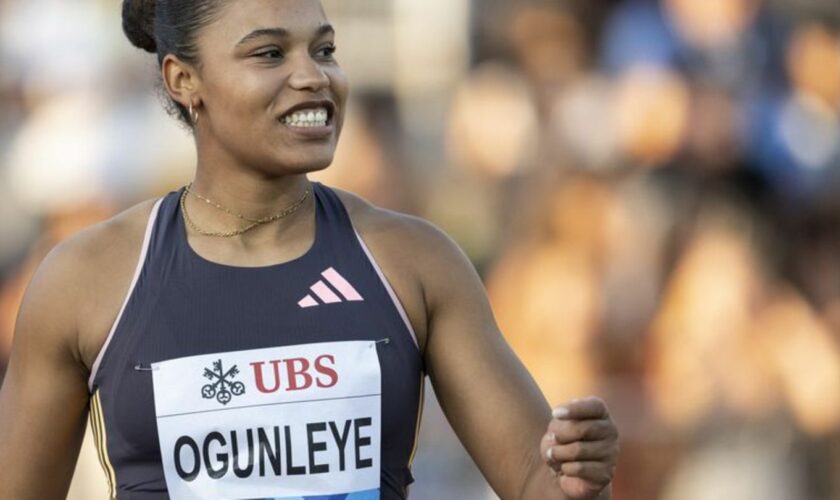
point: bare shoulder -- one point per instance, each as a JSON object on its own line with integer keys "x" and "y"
{"x": 417, "y": 258}
{"x": 98, "y": 250}
{"x": 85, "y": 277}
{"x": 398, "y": 231}
{"x": 107, "y": 239}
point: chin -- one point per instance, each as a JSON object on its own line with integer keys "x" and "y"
{"x": 302, "y": 165}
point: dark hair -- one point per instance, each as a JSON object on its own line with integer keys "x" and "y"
{"x": 169, "y": 27}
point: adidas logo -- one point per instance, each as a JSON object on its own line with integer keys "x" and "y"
{"x": 327, "y": 294}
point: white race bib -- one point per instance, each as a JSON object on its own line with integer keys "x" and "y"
{"x": 283, "y": 423}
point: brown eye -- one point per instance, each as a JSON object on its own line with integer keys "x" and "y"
{"x": 270, "y": 54}
{"x": 327, "y": 52}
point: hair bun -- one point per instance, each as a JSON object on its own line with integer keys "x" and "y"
{"x": 138, "y": 22}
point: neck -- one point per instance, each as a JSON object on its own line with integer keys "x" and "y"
{"x": 250, "y": 194}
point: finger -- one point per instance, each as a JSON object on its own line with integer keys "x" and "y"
{"x": 583, "y": 451}
{"x": 597, "y": 472}
{"x": 569, "y": 431}
{"x": 547, "y": 442}
{"x": 546, "y": 448}
{"x": 582, "y": 409}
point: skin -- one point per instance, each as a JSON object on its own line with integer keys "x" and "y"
{"x": 249, "y": 161}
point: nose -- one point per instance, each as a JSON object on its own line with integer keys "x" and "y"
{"x": 309, "y": 75}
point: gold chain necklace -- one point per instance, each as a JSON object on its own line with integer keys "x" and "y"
{"x": 254, "y": 222}
{"x": 262, "y": 220}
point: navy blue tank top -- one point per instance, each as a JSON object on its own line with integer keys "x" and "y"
{"x": 299, "y": 380}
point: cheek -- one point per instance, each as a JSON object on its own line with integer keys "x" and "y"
{"x": 239, "y": 95}
{"x": 339, "y": 84}
{"x": 340, "y": 88}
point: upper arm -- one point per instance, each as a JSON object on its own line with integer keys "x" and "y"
{"x": 486, "y": 393}
{"x": 44, "y": 398}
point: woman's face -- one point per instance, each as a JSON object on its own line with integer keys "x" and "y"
{"x": 272, "y": 93}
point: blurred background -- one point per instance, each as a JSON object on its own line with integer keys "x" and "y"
{"x": 651, "y": 191}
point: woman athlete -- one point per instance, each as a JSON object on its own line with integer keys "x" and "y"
{"x": 256, "y": 335}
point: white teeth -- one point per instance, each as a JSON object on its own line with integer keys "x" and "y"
{"x": 316, "y": 117}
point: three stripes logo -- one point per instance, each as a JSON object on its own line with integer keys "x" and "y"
{"x": 331, "y": 289}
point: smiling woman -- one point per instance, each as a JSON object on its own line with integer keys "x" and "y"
{"x": 257, "y": 77}
{"x": 257, "y": 335}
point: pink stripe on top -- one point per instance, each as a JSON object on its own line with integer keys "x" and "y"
{"x": 341, "y": 284}
{"x": 324, "y": 293}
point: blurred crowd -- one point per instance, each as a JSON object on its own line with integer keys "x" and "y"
{"x": 651, "y": 190}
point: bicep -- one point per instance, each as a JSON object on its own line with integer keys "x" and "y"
{"x": 487, "y": 394}
{"x": 43, "y": 400}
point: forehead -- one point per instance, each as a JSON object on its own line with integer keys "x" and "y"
{"x": 238, "y": 18}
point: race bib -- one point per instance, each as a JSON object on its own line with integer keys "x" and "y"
{"x": 281, "y": 423}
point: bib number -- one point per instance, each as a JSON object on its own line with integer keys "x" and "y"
{"x": 281, "y": 423}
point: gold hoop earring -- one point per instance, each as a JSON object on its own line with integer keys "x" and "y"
{"x": 193, "y": 115}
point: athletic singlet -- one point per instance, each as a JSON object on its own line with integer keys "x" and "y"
{"x": 299, "y": 380}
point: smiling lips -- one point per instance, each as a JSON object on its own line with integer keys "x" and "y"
{"x": 307, "y": 118}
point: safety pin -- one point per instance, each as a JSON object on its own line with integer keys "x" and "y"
{"x": 386, "y": 341}
{"x": 141, "y": 368}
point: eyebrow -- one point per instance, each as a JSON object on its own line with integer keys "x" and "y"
{"x": 282, "y": 33}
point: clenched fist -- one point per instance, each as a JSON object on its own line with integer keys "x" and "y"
{"x": 581, "y": 447}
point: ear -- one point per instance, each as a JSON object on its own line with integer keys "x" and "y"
{"x": 180, "y": 79}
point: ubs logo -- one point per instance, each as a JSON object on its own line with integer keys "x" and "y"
{"x": 222, "y": 388}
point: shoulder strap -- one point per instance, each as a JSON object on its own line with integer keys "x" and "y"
{"x": 144, "y": 250}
